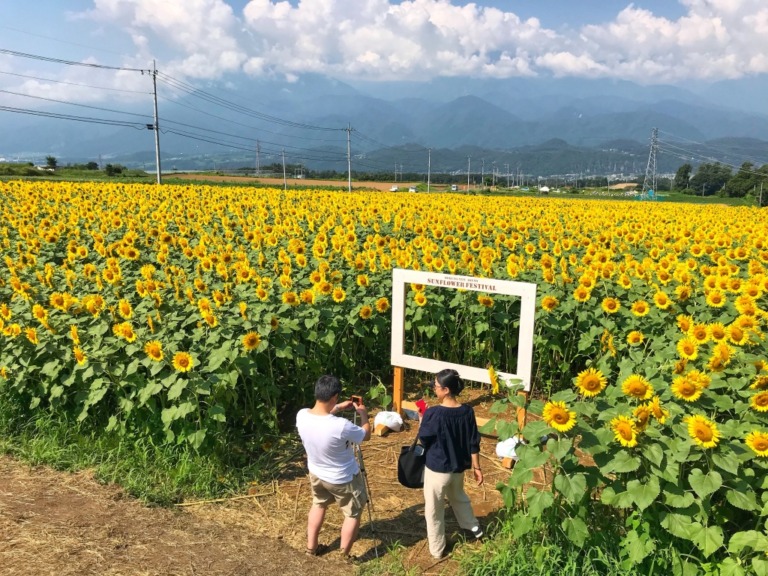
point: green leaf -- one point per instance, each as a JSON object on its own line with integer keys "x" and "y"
{"x": 521, "y": 525}
{"x": 729, "y": 567}
{"x": 538, "y": 501}
{"x": 622, "y": 462}
{"x": 535, "y": 430}
{"x": 654, "y": 454}
{"x": 217, "y": 413}
{"x": 644, "y": 494}
{"x": 679, "y": 525}
{"x": 489, "y": 427}
{"x": 760, "y": 566}
{"x": 218, "y": 357}
{"x": 574, "y": 488}
{"x": 56, "y": 391}
{"x": 709, "y": 539}
{"x": 176, "y": 390}
{"x": 705, "y": 484}
{"x": 676, "y": 497}
{"x": 576, "y": 530}
{"x": 148, "y": 391}
{"x": 726, "y": 461}
{"x": 530, "y": 457}
{"x": 637, "y": 547}
{"x": 34, "y": 403}
{"x": 197, "y": 438}
{"x": 753, "y": 539}
{"x": 559, "y": 448}
{"x": 610, "y": 497}
{"x": 743, "y": 500}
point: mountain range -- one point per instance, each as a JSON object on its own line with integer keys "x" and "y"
{"x": 539, "y": 126}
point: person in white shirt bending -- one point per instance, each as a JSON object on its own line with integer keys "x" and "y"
{"x": 334, "y": 472}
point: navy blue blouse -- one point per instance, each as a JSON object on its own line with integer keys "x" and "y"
{"x": 450, "y": 437}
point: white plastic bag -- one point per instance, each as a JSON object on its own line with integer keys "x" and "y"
{"x": 391, "y": 420}
{"x": 506, "y": 448}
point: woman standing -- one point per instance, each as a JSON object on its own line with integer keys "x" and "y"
{"x": 450, "y": 437}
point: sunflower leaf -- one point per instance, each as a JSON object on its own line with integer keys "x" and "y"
{"x": 705, "y": 484}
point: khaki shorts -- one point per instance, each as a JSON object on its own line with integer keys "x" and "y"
{"x": 351, "y": 497}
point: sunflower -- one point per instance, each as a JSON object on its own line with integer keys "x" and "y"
{"x": 642, "y": 415}
{"x": 124, "y": 309}
{"x": 39, "y": 313}
{"x": 737, "y": 335}
{"x": 549, "y": 303}
{"x": 624, "y": 431}
{"x": 715, "y": 299}
{"x": 640, "y": 308}
{"x": 760, "y": 382}
{"x": 251, "y": 340}
{"x": 80, "y": 356}
{"x": 683, "y": 292}
{"x": 183, "y": 362}
{"x": 658, "y": 411}
{"x": 5, "y": 312}
{"x": 211, "y": 320}
{"x": 365, "y": 312}
{"x": 610, "y": 305}
{"x": 758, "y": 442}
{"x": 261, "y": 294}
{"x": 154, "y": 350}
{"x": 485, "y": 300}
{"x": 382, "y": 305}
{"x": 688, "y": 349}
{"x": 494, "y": 378}
{"x": 581, "y": 294}
{"x": 590, "y": 382}
{"x": 74, "y": 335}
{"x": 557, "y": 415}
{"x": 717, "y": 331}
{"x": 635, "y": 337}
{"x": 760, "y": 401}
{"x": 290, "y": 298}
{"x": 420, "y": 298}
{"x": 31, "y": 335}
{"x": 661, "y": 300}
{"x": 686, "y": 388}
{"x": 684, "y": 323}
{"x": 363, "y": 281}
{"x": 307, "y": 296}
{"x": 700, "y": 333}
{"x": 638, "y": 387}
{"x": 703, "y": 431}
{"x": 339, "y": 295}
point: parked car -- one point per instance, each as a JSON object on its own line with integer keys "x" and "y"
{"x": 412, "y": 189}
{"x": 393, "y": 189}
{"x": 454, "y": 187}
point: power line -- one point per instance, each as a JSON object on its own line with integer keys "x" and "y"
{"x": 60, "y": 40}
{"x": 68, "y": 62}
{"x": 88, "y": 119}
{"x": 74, "y": 104}
{"x": 73, "y": 83}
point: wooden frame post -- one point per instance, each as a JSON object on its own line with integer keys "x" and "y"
{"x": 397, "y": 392}
{"x": 522, "y": 411}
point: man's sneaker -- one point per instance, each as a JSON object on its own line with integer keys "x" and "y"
{"x": 477, "y": 532}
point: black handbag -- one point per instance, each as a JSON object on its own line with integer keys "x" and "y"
{"x": 410, "y": 465}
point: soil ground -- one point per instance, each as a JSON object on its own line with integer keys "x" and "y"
{"x": 63, "y": 523}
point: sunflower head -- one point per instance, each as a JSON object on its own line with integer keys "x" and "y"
{"x": 154, "y": 350}
{"x": 251, "y": 340}
{"x": 624, "y": 431}
{"x": 702, "y": 431}
{"x": 758, "y": 442}
{"x": 557, "y": 415}
{"x": 183, "y": 362}
{"x": 637, "y": 387}
{"x": 590, "y": 382}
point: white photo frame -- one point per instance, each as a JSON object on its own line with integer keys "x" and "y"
{"x": 525, "y": 290}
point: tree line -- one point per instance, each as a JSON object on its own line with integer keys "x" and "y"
{"x": 717, "y": 179}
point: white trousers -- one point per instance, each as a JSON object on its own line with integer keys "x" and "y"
{"x": 437, "y": 487}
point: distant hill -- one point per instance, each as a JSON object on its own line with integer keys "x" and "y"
{"x": 543, "y": 126}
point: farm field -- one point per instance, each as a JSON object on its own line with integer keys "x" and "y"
{"x": 196, "y": 317}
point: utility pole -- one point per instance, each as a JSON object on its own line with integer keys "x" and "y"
{"x": 469, "y": 167}
{"x": 506, "y": 169}
{"x": 349, "y": 157}
{"x": 429, "y": 167}
{"x": 482, "y": 174}
{"x": 395, "y": 171}
{"x": 285, "y": 180}
{"x": 649, "y": 182}
{"x": 258, "y": 158}
{"x": 156, "y": 125}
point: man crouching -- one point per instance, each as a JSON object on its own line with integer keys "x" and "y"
{"x": 334, "y": 472}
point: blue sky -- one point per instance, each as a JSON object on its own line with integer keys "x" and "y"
{"x": 649, "y": 41}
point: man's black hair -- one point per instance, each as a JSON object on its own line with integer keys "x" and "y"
{"x": 327, "y": 387}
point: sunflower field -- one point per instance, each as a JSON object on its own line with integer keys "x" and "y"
{"x": 197, "y": 314}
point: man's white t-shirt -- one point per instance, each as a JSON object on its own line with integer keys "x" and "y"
{"x": 329, "y": 441}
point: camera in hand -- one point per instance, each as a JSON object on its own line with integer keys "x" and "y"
{"x": 357, "y": 400}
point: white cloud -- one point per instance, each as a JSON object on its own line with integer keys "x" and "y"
{"x": 421, "y": 39}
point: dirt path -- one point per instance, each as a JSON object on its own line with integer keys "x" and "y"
{"x": 63, "y": 523}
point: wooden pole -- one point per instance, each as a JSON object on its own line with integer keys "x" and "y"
{"x": 522, "y": 412}
{"x": 397, "y": 392}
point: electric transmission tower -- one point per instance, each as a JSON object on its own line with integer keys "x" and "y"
{"x": 649, "y": 182}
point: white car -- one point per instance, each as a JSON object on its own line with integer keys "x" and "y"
{"x": 393, "y": 189}
{"x": 412, "y": 189}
